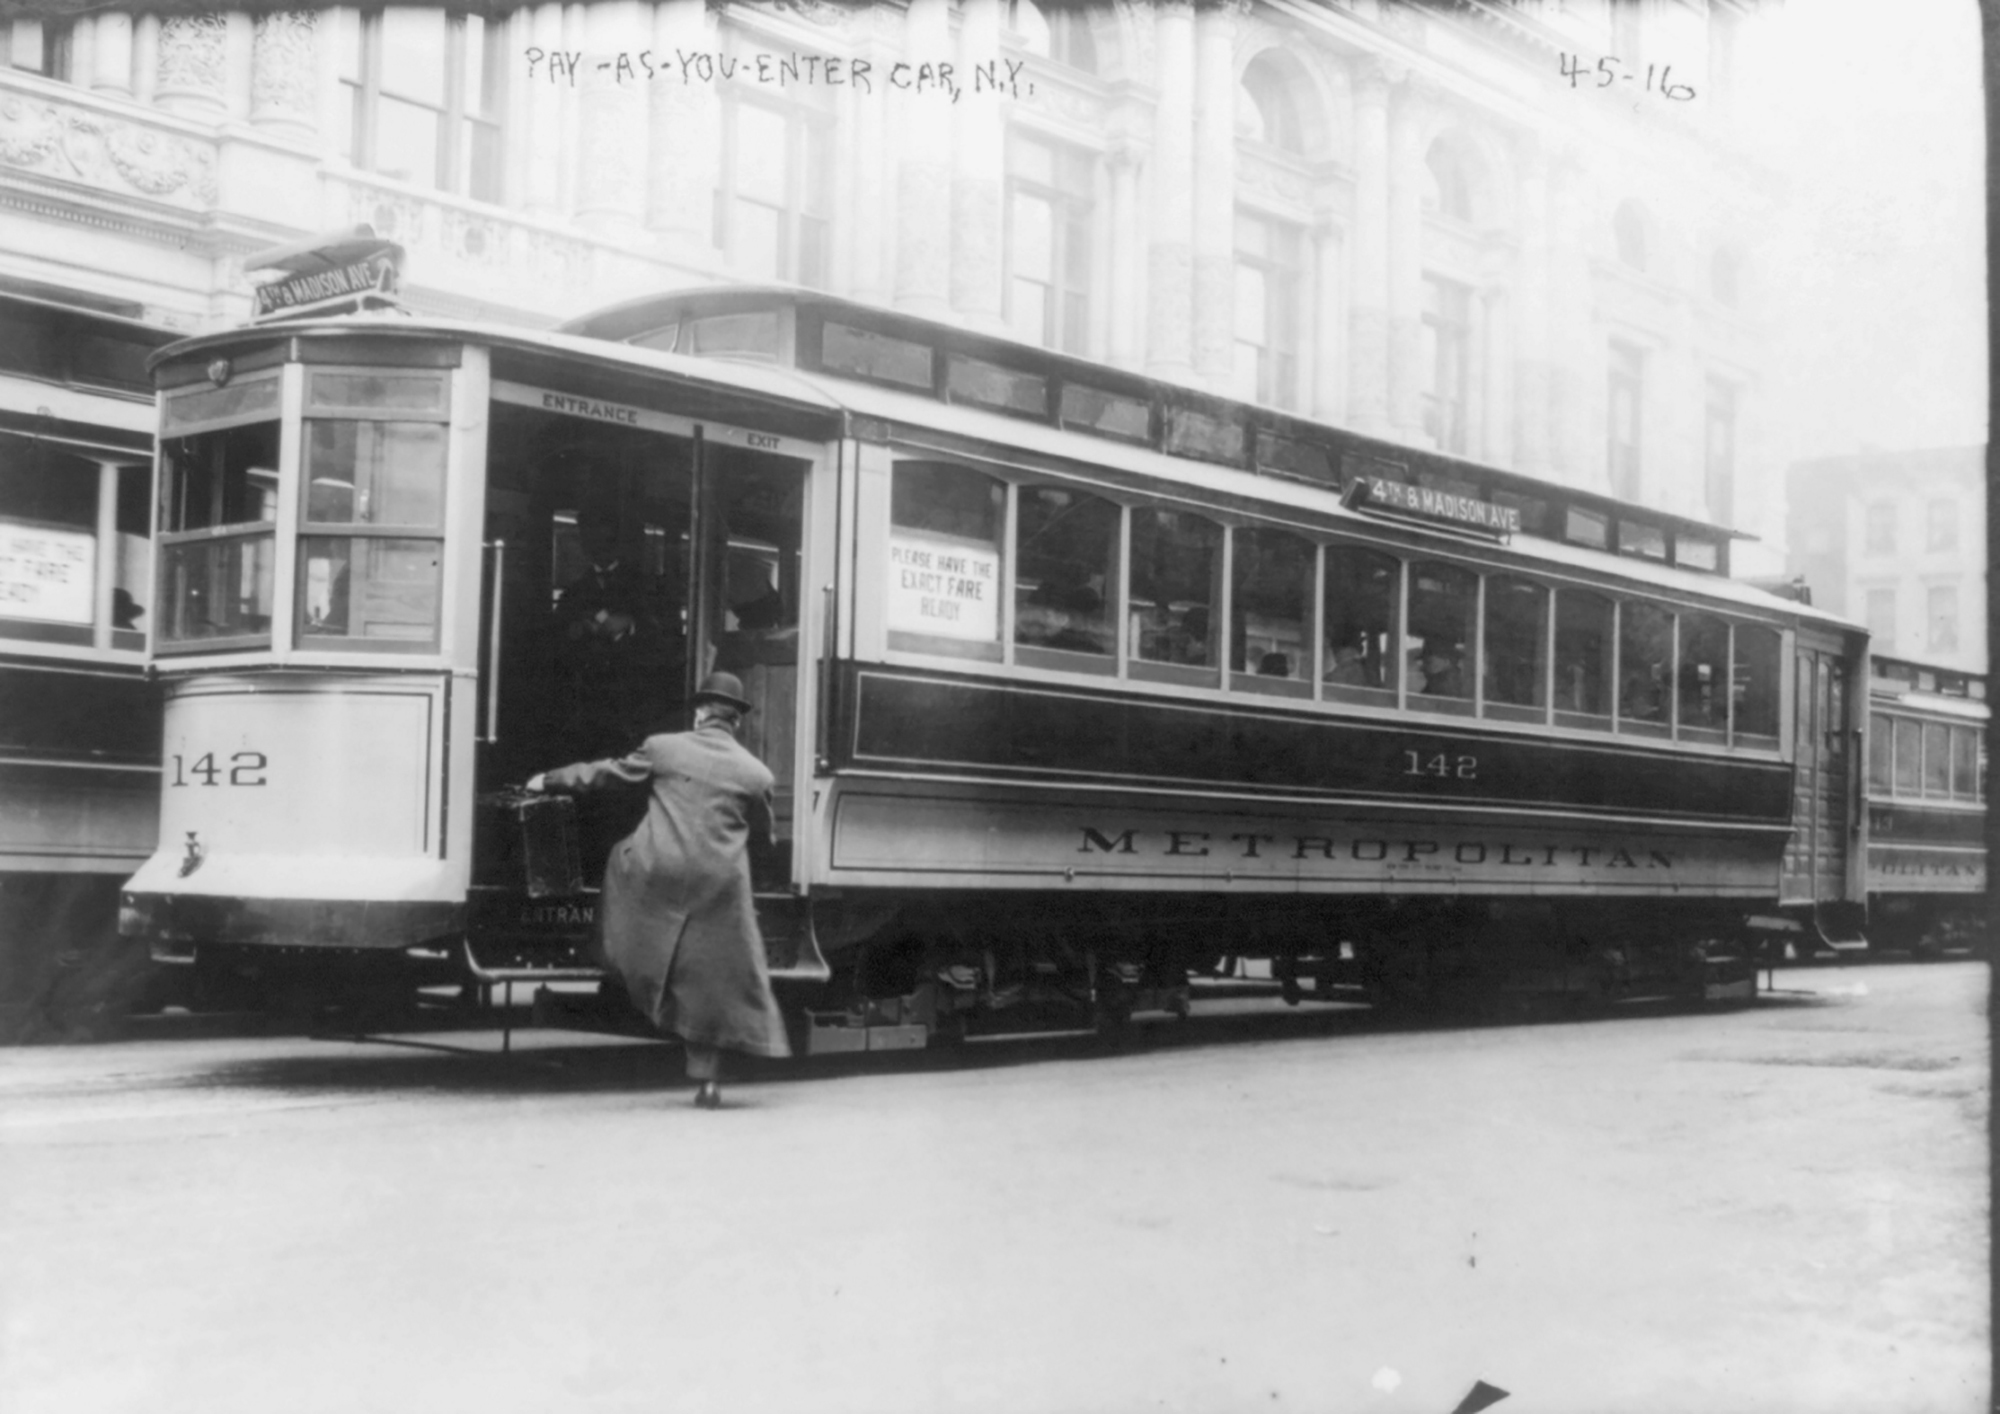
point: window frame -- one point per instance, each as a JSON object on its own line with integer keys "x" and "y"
{"x": 452, "y": 164}
{"x": 808, "y": 178}
{"x": 1073, "y": 217}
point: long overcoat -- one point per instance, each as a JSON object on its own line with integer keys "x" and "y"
{"x": 676, "y": 918}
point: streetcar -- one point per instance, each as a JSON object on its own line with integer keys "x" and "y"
{"x": 1926, "y": 808}
{"x": 1073, "y": 681}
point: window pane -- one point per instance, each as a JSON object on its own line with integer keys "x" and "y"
{"x": 1271, "y": 605}
{"x": 1517, "y": 645}
{"x": 1097, "y": 411}
{"x": 132, "y": 573}
{"x": 1199, "y": 434}
{"x": 412, "y": 53}
{"x": 217, "y": 589}
{"x": 375, "y": 473}
{"x": 1175, "y": 560}
{"x": 1909, "y": 754}
{"x": 1756, "y": 686}
{"x": 1588, "y": 528}
{"x": 848, "y": 350}
{"x": 944, "y": 552}
{"x": 1937, "y": 759}
{"x": 1444, "y": 605}
{"x": 361, "y": 587}
{"x": 1066, "y": 551}
{"x": 1703, "y": 666}
{"x": 1639, "y": 538}
{"x": 754, "y": 235}
{"x": 734, "y": 336}
{"x": 1645, "y": 667}
{"x": 416, "y": 392}
{"x": 245, "y": 398}
{"x": 406, "y": 142}
{"x": 221, "y": 478}
{"x": 1881, "y": 752}
{"x": 1964, "y": 762}
{"x": 759, "y": 168}
{"x": 974, "y": 380}
{"x": 1361, "y": 592}
{"x": 1034, "y": 239}
{"x": 1583, "y": 659}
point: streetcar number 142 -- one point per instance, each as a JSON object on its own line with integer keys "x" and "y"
{"x": 245, "y": 768}
{"x": 1443, "y": 764}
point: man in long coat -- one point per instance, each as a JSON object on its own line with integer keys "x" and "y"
{"x": 676, "y": 917}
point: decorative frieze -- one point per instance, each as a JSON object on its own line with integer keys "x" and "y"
{"x": 72, "y": 143}
{"x": 193, "y": 62}
{"x": 285, "y": 70}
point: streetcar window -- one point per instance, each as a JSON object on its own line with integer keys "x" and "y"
{"x": 1362, "y": 589}
{"x": 1582, "y": 527}
{"x": 844, "y": 349}
{"x": 1065, "y": 571}
{"x": 1965, "y": 763}
{"x": 1909, "y": 757}
{"x": 1645, "y": 668}
{"x": 374, "y": 473}
{"x": 974, "y": 380}
{"x": 944, "y": 559}
{"x": 219, "y": 505}
{"x": 1881, "y": 753}
{"x": 246, "y": 397}
{"x": 331, "y": 390}
{"x": 1696, "y": 552}
{"x": 1270, "y": 616}
{"x": 1704, "y": 666}
{"x": 132, "y": 574}
{"x": 378, "y": 589}
{"x": 1534, "y": 511}
{"x": 663, "y": 338}
{"x": 1193, "y": 433}
{"x": 752, "y": 336}
{"x": 1516, "y": 670}
{"x": 1437, "y": 656}
{"x": 1176, "y": 565}
{"x": 1755, "y": 689}
{"x": 1108, "y": 414}
{"x": 48, "y": 542}
{"x": 1290, "y": 456}
{"x": 1937, "y": 759}
{"x": 1583, "y": 659}
{"x": 1638, "y": 538}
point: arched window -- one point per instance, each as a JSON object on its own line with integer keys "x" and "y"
{"x": 1265, "y": 109}
{"x": 1725, "y": 275}
{"x": 1447, "y": 184}
{"x": 1628, "y": 228}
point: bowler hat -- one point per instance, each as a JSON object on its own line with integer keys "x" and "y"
{"x": 722, "y": 687}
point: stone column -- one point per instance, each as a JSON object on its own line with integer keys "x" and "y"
{"x": 145, "y": 58}
{"x": 111, "y": 60}
{"x": 1329, "y": 385}
{"x": 1576, "y": 357}
{"x": 872, "y": 242}
{"x": 1531, "y": 323}
{"x": 611, "y": 158}
{"x": 285, "y": 72}
{"x": 978, "y": 171}
{"x": 1405, "y": 262}
{"x": 239, "y": 44}
{"x": 1123, "y": 324}
{"x": 1214, "y": 213}
{"x": 541, "y": 136}
{"x": 923, "y": 177}
{"x": 192, "y": 52}
{"x": 1368, "y": 296}
{"x": 686, "y": 143}
{"x": 1170, "y": 253}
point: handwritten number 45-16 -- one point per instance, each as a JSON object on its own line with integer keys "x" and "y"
{"x": 245, "y": 768}
{"x": 1658, "y": 78}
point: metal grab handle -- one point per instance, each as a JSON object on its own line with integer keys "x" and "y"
{"x": 827, "y": 653}
{"x": 499, "y": 549}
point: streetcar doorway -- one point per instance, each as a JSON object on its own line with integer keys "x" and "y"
{"x": 629, "y": 564}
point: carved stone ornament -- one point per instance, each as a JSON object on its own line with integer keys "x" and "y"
{"x": 192, "y": 53}
{"x": 285, "y": 63}
{"x": 78, "y": 145}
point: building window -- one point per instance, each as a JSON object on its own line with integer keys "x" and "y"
{"x": 1628, "y": 230}
{"x": 1881, "y": 617}
{"x": 1060, "y": 34}
{"x": 1942, "y": 616}
{"x": 773, "y": 209}
{"x": 37, "y": 46}
{"x": 1447, "y": 184}
{"x": 1941, "y": 525}
{"x": 1270, "y": 289}
{"x": 1447, "y": 348}
{"x": 1049, "y": 201}
{"x": 424, "y": 97}
{"x": 1626, "y": 388}
{"x": 1719, "y": 452}
{"x": 1879, "y": 532}
{"x": 1265, "y": 111}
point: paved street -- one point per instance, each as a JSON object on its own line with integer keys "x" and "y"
{"x": 1779, "y": 1208}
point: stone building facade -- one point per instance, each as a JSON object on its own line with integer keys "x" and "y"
{"x": 1898, "y": 541}
{"x": 1524, "y": 232}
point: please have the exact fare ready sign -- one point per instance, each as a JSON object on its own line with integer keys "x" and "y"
{"x": 944, "y": 587}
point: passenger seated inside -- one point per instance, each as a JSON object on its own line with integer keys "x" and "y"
{"x": 618, "y": 654}
{"x": 1349, "y": 667}
{"x": 1063, "y": 614}
{"x": 1440, "y": 675}
{"x": 1274, "y": 665}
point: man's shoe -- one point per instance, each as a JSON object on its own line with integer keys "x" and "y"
{"x": 709, "y": 1096}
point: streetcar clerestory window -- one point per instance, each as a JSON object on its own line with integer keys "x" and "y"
{"x": 1271, "y": 593}
{"x": 1362, "y": 590}
{"x": 1175, "y": 591}
{"x": 1108, "y": 414}
{"x": 1065, "y": 576}
{"x": 1645, "y": 668}
{"x": 1516, "y": 667}
{"x": 974, "y": 380}
{"x": 1583, "y": 659}
{"x": 945, "y": 570}
{"x": 864, "y": 354}
{"x": 1704, "y": 668}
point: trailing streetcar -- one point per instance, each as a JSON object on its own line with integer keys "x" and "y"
{"x": 1926, "y": 808}
{"x": 1072, "y": 681}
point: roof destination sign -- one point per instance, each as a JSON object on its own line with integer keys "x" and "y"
{"x": 342, "y": 271}
{"x": 1378, "y": 493}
